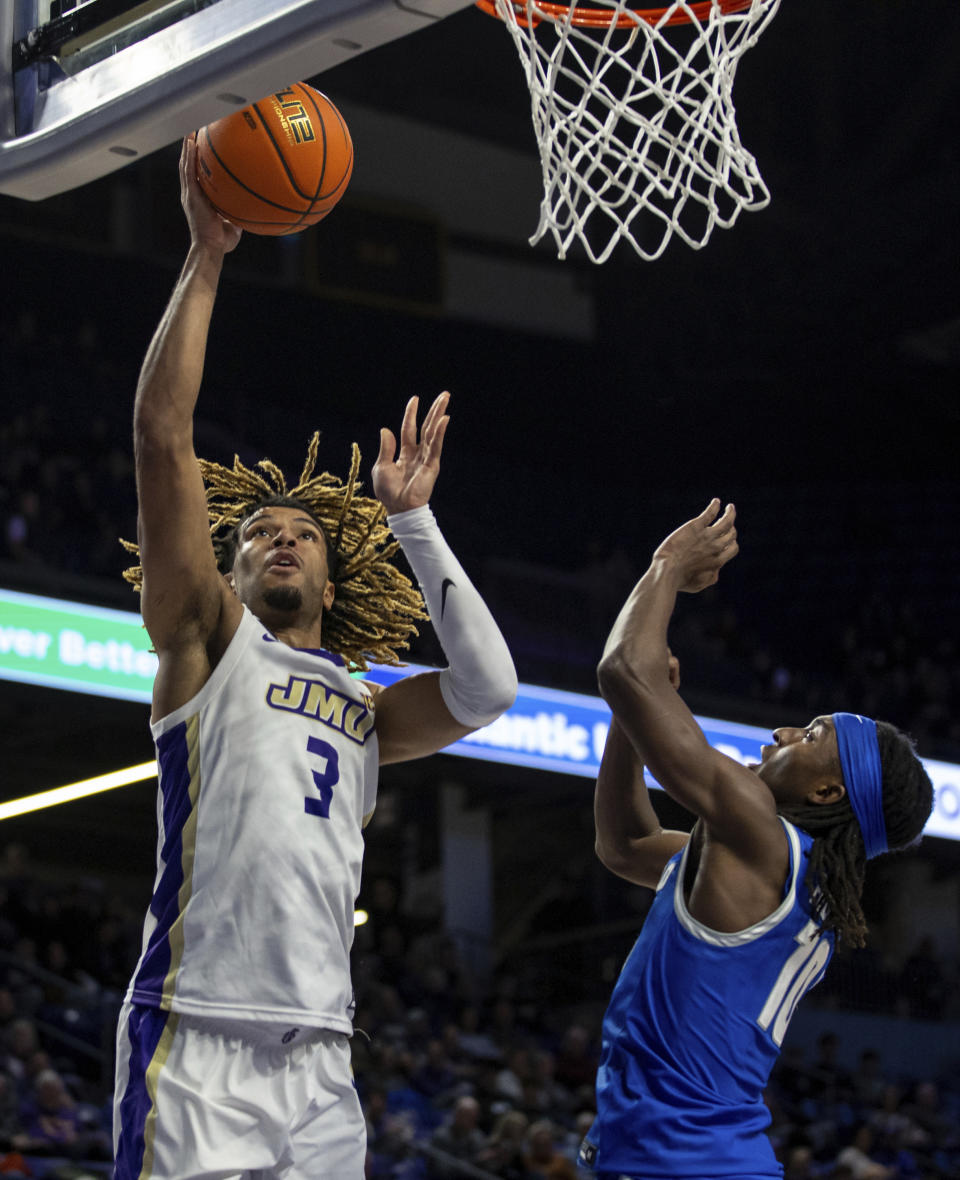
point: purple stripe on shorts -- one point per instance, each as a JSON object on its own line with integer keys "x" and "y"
{"x": 144, "y": 1030}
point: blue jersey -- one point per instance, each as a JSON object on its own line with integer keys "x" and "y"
{"x": 693, "y": 1029}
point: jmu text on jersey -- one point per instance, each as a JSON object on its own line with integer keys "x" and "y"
{"x": 315, "y": 700}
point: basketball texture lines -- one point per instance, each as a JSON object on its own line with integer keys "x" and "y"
{"x": 278, "y": 166}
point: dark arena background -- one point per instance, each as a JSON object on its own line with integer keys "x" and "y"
{"x": 805, "y": 365}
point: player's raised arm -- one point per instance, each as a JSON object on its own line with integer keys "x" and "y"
{"x": 634, "y": 680}
{"x": 422, "y": 714}
{"x": 182, "y": 591}
{"x": 630, "y": 840}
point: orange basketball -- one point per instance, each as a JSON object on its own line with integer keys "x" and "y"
{"x": 278, "y": 166}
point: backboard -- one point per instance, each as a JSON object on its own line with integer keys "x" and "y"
{"x": 86, "y": 86}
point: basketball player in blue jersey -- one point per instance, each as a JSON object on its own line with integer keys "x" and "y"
{"x": 748, "y": 906}
{"x": 233, "y": 1057}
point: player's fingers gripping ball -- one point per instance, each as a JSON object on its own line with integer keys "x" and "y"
{"x": 278, "y": 166}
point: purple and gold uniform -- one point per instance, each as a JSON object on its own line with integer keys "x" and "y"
{"x": 266, "y": 778}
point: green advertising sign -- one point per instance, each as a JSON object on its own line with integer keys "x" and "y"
{"x": 69, "y": 645}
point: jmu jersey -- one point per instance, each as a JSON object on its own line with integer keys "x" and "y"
{"x": 693, "y": 1029}
{"x": 265, "y": 778}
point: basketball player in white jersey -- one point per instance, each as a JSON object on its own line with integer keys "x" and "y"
{"x": 233, "y": 1054}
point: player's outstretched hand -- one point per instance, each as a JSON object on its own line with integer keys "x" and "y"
{"x": 405, "y": 480}
{"x": 207, "y": 227}
{"x": 699, "y": 549}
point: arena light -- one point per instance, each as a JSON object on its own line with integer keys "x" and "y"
{"x": 89, "y": 786}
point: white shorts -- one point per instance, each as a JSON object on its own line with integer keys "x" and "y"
{"x": 201, "y": 1099}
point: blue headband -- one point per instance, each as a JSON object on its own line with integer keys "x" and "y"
{"x": 862, "y": 776}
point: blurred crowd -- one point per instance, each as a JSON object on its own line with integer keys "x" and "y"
{"x": 65, "y": 496}
{"x": 459, "y": 1077}
{"x": 883, "y": 658}
{"x": 65, "y": 950}
{"x": 861, "y": 1123}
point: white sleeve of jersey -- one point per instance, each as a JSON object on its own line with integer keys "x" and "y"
{"x": 480, "y": 682}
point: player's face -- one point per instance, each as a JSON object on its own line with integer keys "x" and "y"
{"x": 282, "y": 561}
{"x": 803, "y": 765}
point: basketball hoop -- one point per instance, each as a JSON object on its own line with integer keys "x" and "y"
{"x": 633, "y": 113}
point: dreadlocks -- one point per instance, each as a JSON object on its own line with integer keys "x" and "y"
{"x": 373, "y": 612}
{"x": 837, "y": 860}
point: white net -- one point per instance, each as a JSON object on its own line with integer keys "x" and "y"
{"x": 635, "y": 121}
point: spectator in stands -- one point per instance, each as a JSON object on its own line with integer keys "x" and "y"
{"x": 543, "y": 1159}
{"x": 374, "y": 1112}
{"x": 503, "y": 1153}
{"x": 459, "y": 1137}
{"x": 11, "y": 1127}
{"x": 50, "y": 1119}
{"x": 8, "y": 1010}
{"x": 799, "y": 1163}
{"x": 576, "y": 1061}
{"x": 433, "y": 1074}
{"x": 504, "y": 1027}
{"x": 543, "y": 1095}
{"x": 475, "y": 1043}
{"x": 514, "y": 1075}
{"x": 574, "y": 1137}
{"x": 831, "y": 1082}
{"x": 888, "y": 1118}
{"x": 868, "y": 1080}
{"x": 21, "y": 978}
{"x": 927, "y": 1112}
{"x": 856, "y": 1156}
{"x": 462, "y": 1065}
{"x": 21, "y": 1043}
{"x": 390, "y": 1136}
{"x": 922, "y": 982}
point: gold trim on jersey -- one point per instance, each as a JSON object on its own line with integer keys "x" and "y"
{"x": 152, "y": 1080}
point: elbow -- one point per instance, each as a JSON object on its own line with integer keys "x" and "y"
{"x": 609, "y": 672}
{"x": 620, "y": 676}
{"x": 501, "y": 698}
{"x": 509, "y": 690}
{"x": 155, "y": 431}
{"x": 502, "y": 686}
{"x": 150, "y": 439}
{"x": 614, "y": 860}
{"x": 603, "y": 854}
{"x": 479, "y": 702}
{"x": 159, "y": 447}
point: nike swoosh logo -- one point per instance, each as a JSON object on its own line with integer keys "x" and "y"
{"x": 444, "y": 587}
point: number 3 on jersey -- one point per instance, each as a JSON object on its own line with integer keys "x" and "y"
{"x": 324, "y": 779}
